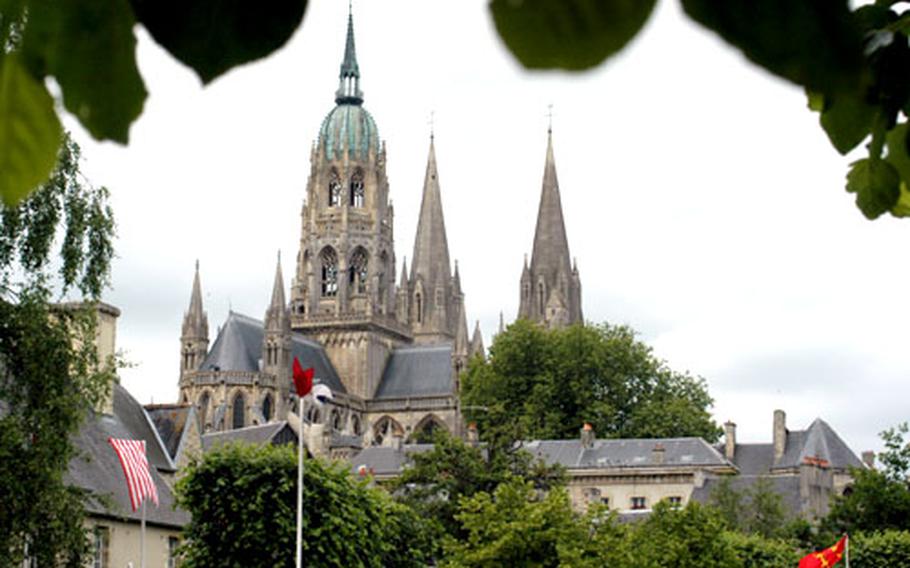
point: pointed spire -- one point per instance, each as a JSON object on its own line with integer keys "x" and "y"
{"x": 462, "y": 343}
{"x": 278, "y": 288}
{"x": 196, "y": 296}
{"x": 477, "y": 341}
{"x": 404, "y": 274}
{"x": 195, "y": 320}
{"x": 551, "y": 247}
{"x": 349, "y": 77}
{"x": 431, "y": 247}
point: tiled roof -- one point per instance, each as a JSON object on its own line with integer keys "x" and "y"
{"x": 385, "y": 460}
{"x": 626, "y": 453}
{"x": 418, "y": 371}
{"x": 170, "y": 420}
{"x": 787, "y": 486}
{"x": 262, "y": 434}
{"x": 98, "y": 470}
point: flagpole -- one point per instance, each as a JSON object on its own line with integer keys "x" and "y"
{"x": 142, "y": 538}
{"x": 300, "y": 483}
{"x": 847, "y": 543}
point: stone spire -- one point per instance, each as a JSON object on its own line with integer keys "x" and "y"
{"x": 477, "y": 341}
{"x": 431, "y": 274}
{"x": 349, "y": 76}
{"x": 276, "y": 315}
{"x": 194, "y": 339}
{"x": 550, "y": 289}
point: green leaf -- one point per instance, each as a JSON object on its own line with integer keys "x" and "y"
{"x": 30, "y": 132}
{"x": 90, "y": 48}
{"x": 847, "y": 120}
{"x": 814, "y": 44}
{"x": 899, "y": 157}
{"x": 568, "y": 34}
{"x": 876, "y": 185}
{"x": 214, "y": 36}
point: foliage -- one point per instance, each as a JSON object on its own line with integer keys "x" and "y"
{"x": 49, "y": 377}
{"x": 854, "y": 65}
{"x": 682, "y": 538}
{"x": 878, "y": 499}
{"x": 67, "y": 208}
{"x": 540, "y": 383}
{"x": 243, "y": 504}
{"x": 755, "y": 551}
{"x": 439, "y": 479}
{"x": 757, "y": 510}
{"x": 517, "y": 526}
{"x": 886, "y": 548}
{"x": 89, "y": 48}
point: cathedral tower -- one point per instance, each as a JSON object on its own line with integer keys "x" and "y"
{"x": 194, "y": 338}
{"x": 435, "y": 300}
{"x": 550, "y": 286}
{"x": 343, "y": 292}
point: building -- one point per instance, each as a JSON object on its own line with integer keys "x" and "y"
{"x": 390, "y": 347}
{"x": 806, "y": 467}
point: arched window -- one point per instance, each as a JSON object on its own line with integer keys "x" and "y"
{"x": 239, "y": 418}
{"x": 335, "y": 189}
{"x": 312, "y": 415}
{"x": 357, "y": 189}
{"x": 336, "y": 421}
{"x": 267, "y": 407}
{"x": 426, "y": 430}
{"x": 356, "y": 426}
{"x": 383, "y": 270}
{"x": 358, "y": 271}
{"x": 418, "y": 301}
{"x": 329, "y": 261}
{"x": 203, "y": 407}
{"x": 386, "y": 427}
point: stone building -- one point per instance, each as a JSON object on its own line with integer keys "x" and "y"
{"x": 389, "y": 347}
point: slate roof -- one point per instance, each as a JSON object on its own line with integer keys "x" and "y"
{"x": 626, "y": 453}
{"x": 238, "y": 347}
{"x": 423, "y": 370}
{"x": 170, "y": 421}
{"x": 262, "y": 434}
{"x": 98, "y": 470}
{"x": 819, "y": 441}
{"x": 385, "y": 460}
{"x": 787, "y": 486}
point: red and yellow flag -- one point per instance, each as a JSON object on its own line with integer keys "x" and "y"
{"x": 826, "y": 558}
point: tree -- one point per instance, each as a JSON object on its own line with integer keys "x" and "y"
{"x": 517, "y": 526}
{"x": 682, "y": 538}
{"x": 758, "y": 510}
{"x": 853, "y": 65}
{"x": 878, "y": 499}
{"x": 540, "y": 383}
{"x": 50, "y": 376}
{"x": 242, "y": 499}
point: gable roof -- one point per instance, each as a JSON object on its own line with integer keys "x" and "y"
{"x": 261, "y": 434}
{"x": 98, "y": 470}
{"x": 238, "y": 347}
{"x": 423, "y": 370}
{"x": 606, "y": 453}
{"x": 170, "y": 421}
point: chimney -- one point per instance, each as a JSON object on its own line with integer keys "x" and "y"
{"x": 729, "y": 439}
{"x": 473, "y": 437}
{"x": 869, "y": 459}
{"x": 657, "y": 454}
{"x": 587, "y": 436}
{"x": 780, "y": 434}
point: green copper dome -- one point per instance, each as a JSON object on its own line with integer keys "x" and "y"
{"x": 350, "y": 128}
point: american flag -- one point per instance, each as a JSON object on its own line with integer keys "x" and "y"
{"x": 136, "y": 469}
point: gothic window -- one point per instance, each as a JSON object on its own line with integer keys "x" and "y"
{"x": 356, "y": 427}
{"x": 329, "y": 261}
{"x": 358, "y": 272}
{"x": 267, "y": 407}
{"x": 541, "y": 298}
{"x": 384, "y": 428}
{"x": 336, "y": 421}
{"x": 383, "y": 270}
{"x": 426, "y": 430}
{"x": 418, "y": 301}
{"x": 526, "y": 291}
{"x": 203, "y": 408}
{"x": 335, "y": 189}
{"x": 239, "y": 420}
{"x": 357, "y": 189}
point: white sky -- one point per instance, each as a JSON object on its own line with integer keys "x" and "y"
{"x": 704, "y": 204}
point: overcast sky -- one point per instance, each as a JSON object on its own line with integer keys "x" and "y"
{"x": 704, "y": 204}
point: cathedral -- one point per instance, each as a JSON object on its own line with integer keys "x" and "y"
{"x": 390, "y": 347}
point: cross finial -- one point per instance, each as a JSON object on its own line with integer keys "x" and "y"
{"x": 550, "y": 118}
